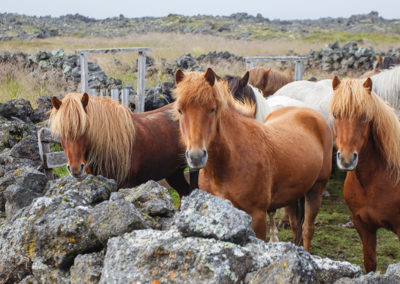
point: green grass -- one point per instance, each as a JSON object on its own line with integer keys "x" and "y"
{"x": 339, "y": 243}
{"x": 342, "y": 37}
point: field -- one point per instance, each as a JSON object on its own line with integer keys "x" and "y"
{"x": 17, "y": 83}
{"x": 331, "y": 239}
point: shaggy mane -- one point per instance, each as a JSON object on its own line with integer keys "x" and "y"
{"x": 194, "y": 89}
{"x": 352, "y": 100}
{"x": 109, "y": 126}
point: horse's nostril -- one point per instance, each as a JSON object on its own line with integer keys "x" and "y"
{"x": 339, "y": 155}
{"x": 82, "y": 167}
{"x": 187, "y": 153}
{"x": 69, "y": 168}
{"x": 355, "y": 155}
{"x": 204, "y": 153}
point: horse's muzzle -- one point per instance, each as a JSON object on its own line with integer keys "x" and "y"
{"x": 347, "y": 163}
{"x": 196, "y": 159}
{"x": 77, "y": 172}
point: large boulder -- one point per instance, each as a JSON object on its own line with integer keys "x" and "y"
{"x": 165, "y": 257}
{"x": 87, "y": 268}
{"x": 207, "y": 216}
{"x": 55, "y": 228}
{"x": 392, "y": 276}
{"x": 13, "y": 131}
{"x": 41, "y": 113}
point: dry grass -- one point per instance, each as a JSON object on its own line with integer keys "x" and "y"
{"x": 16, "y": 83}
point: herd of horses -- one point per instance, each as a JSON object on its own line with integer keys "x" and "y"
{"x": 262, "y": 147}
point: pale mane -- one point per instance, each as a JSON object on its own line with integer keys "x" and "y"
{"x": 109, "y": 126}
{"x": 352, "y": 100}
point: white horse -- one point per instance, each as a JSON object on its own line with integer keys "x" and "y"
{"x": 315, "y": 95}
{"x": 386, "y": 84}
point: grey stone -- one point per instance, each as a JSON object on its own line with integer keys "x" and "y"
{"x": 18, "y": 197}
{"x": 115, "y": 217}
{"x": 19, "y": 108}
{"x": 208, "y": 216}
{"x": 44, "y": 273}
{"x": 87, "y": 268}
{"x": 148, "y": 255}
{"x": 27, "y": 148}
{"x": 12, "y": 131}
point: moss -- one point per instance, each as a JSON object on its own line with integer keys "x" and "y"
{"x": 17, "y": 172}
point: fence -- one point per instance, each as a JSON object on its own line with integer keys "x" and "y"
{"x": 298, "y": 60}
{"x": 139, "y": 99}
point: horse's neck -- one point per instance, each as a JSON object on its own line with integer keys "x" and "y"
{"x": 370, "y": 162}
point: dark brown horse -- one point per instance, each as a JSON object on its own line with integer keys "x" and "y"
{"x": 103, "y": 137}
{"x": 268, "y": 80}
{"x": 367, "y": 135}
{"x": 254, "y": 165}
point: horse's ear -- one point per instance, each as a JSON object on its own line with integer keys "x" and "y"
{"x": 368, "y": 85}
{"x": 245, "y": 79}
{"x": 335, "y": 82}
{"x": 85, "y": 100}
{"x": 379, "y": 58}
{"x": 56, "y": 102}
{"x": 210, "y": 76}
{"x": 179, "y": 75}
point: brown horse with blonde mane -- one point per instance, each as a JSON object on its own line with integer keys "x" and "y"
{"x": 268, "y": 80}
{"x": 258, "y": 167}
{"x": 367, "y": 135}
{"x": 101, "y": 136}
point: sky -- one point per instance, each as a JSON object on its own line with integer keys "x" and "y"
{"x": 276, "y": 9}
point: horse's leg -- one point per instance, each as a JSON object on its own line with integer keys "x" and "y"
{"x": 368, "y": 238}
{"x": 312, "y": 204}
{"x": 284, "y": 221}
{"x": 291, "y": 210}
{"x": 273, "y": 230}
{"x": 259, "y": 223}
{"x": 177, "y": 181}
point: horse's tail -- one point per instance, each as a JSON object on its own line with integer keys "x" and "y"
{"x": 300, "y": 211}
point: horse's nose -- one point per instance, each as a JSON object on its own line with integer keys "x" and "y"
{"x": 196, "y": 159}
{"x": 347, "y": 163}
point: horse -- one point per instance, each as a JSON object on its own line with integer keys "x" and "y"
{"x": 367, "y": 135}
{"x": 269, "y": 80}
{"x": 258, "y": 167}
{"x": 386, "y": 84}
{"x": 103, "y": 137}
{"x": 387, "y": 62}
{"x": 315, "y": 95}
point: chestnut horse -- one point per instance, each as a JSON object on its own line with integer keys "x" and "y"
{"x": 384, "y": 63}
{"x": 103, "y": 137}
{"x": 367, "y": 134}
{"x": 258, "y": 167}
{"x": 269, "y": 80}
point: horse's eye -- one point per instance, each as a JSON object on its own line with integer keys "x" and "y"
{"x": 212, "y": 110}
{"x": 180, "y": 111}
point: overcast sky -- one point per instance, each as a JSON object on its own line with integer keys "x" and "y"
{"x": 272, "y": 9}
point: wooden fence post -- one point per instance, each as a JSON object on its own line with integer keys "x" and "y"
{"x": 84, "y": 72}
{"x": 139, "y": 102}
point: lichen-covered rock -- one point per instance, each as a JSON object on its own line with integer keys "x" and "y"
{"x": 43, "y": 273}
{"x": 205, "y": 215}
{"x": 87, "y": 268}
{"x": 27, "y": 148}
{"x": 92, "y": 189}
{"x": 55, "y": 227}
{"x": 41, "y": 113}
{"x": 287, "y": 263}
{"x": 165, "y": 256}
{"x": 114, "y": 217}
{"x": 20, "y": 108}
{"x": 28, "y": 184}
{"x": 153, "y": 202}
{"x": 13, "y": 131}
{"x": 392, "y": 276}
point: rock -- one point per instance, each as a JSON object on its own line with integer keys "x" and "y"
{"x": 27, "y": 148}
{"x": 153, "y": 202}
{"x": 165, "y": 256}
{"x": 188, "y": 62}
{"x": 208, "y": 216}
{"x": 44, "y": 273}
{"x": 114, "y": 217}
{"x": 20, "y": 108}
{"x": 12, "y": 131}
{"x": 41, "y": 113}
{"x": 87, "y": 268}
{"x": 55, "y": 228}
{"x": 28, "y": 184}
